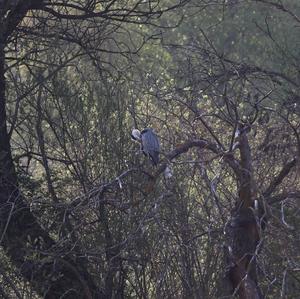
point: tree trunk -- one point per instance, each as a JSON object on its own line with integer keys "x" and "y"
{"x": 23, "y": 239}
{"x": 243, "y": 231}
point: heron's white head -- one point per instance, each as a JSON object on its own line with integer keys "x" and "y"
{"x": 136, "y": 134}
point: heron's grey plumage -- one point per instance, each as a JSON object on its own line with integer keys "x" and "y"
{"x": 150, "y": 145}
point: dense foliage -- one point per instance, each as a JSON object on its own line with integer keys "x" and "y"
{"x": 218, "y": 81}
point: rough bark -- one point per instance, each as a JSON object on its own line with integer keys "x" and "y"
{"x": 26, "y": 243}
{"x": 243, "y": 230}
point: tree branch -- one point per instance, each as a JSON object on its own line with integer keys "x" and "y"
{"x": 204, "y": 144}
{"x": 16, "y": 15}
{"x": 280, "y": 177}
{"x": 246, "y": 187}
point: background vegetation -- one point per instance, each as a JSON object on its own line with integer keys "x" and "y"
{"x": 84, "y": 214}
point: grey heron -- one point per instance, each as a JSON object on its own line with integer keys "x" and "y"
{"x": 149, "y": 143}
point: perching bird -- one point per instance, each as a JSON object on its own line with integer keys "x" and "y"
{"x": 149, "y": 142}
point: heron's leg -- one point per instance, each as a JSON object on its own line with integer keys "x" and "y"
{"x": 141, "y": 148}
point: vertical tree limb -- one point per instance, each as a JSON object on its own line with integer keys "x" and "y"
{"x": 243, "y": 231}
{"x": 20, "y": 233}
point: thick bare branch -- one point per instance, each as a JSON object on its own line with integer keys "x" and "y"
{"x": 203, "y": 144}
{"x": 284, "y": 172}
{"x": 16, "y": 14}
{"x": 246, "y": 188}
